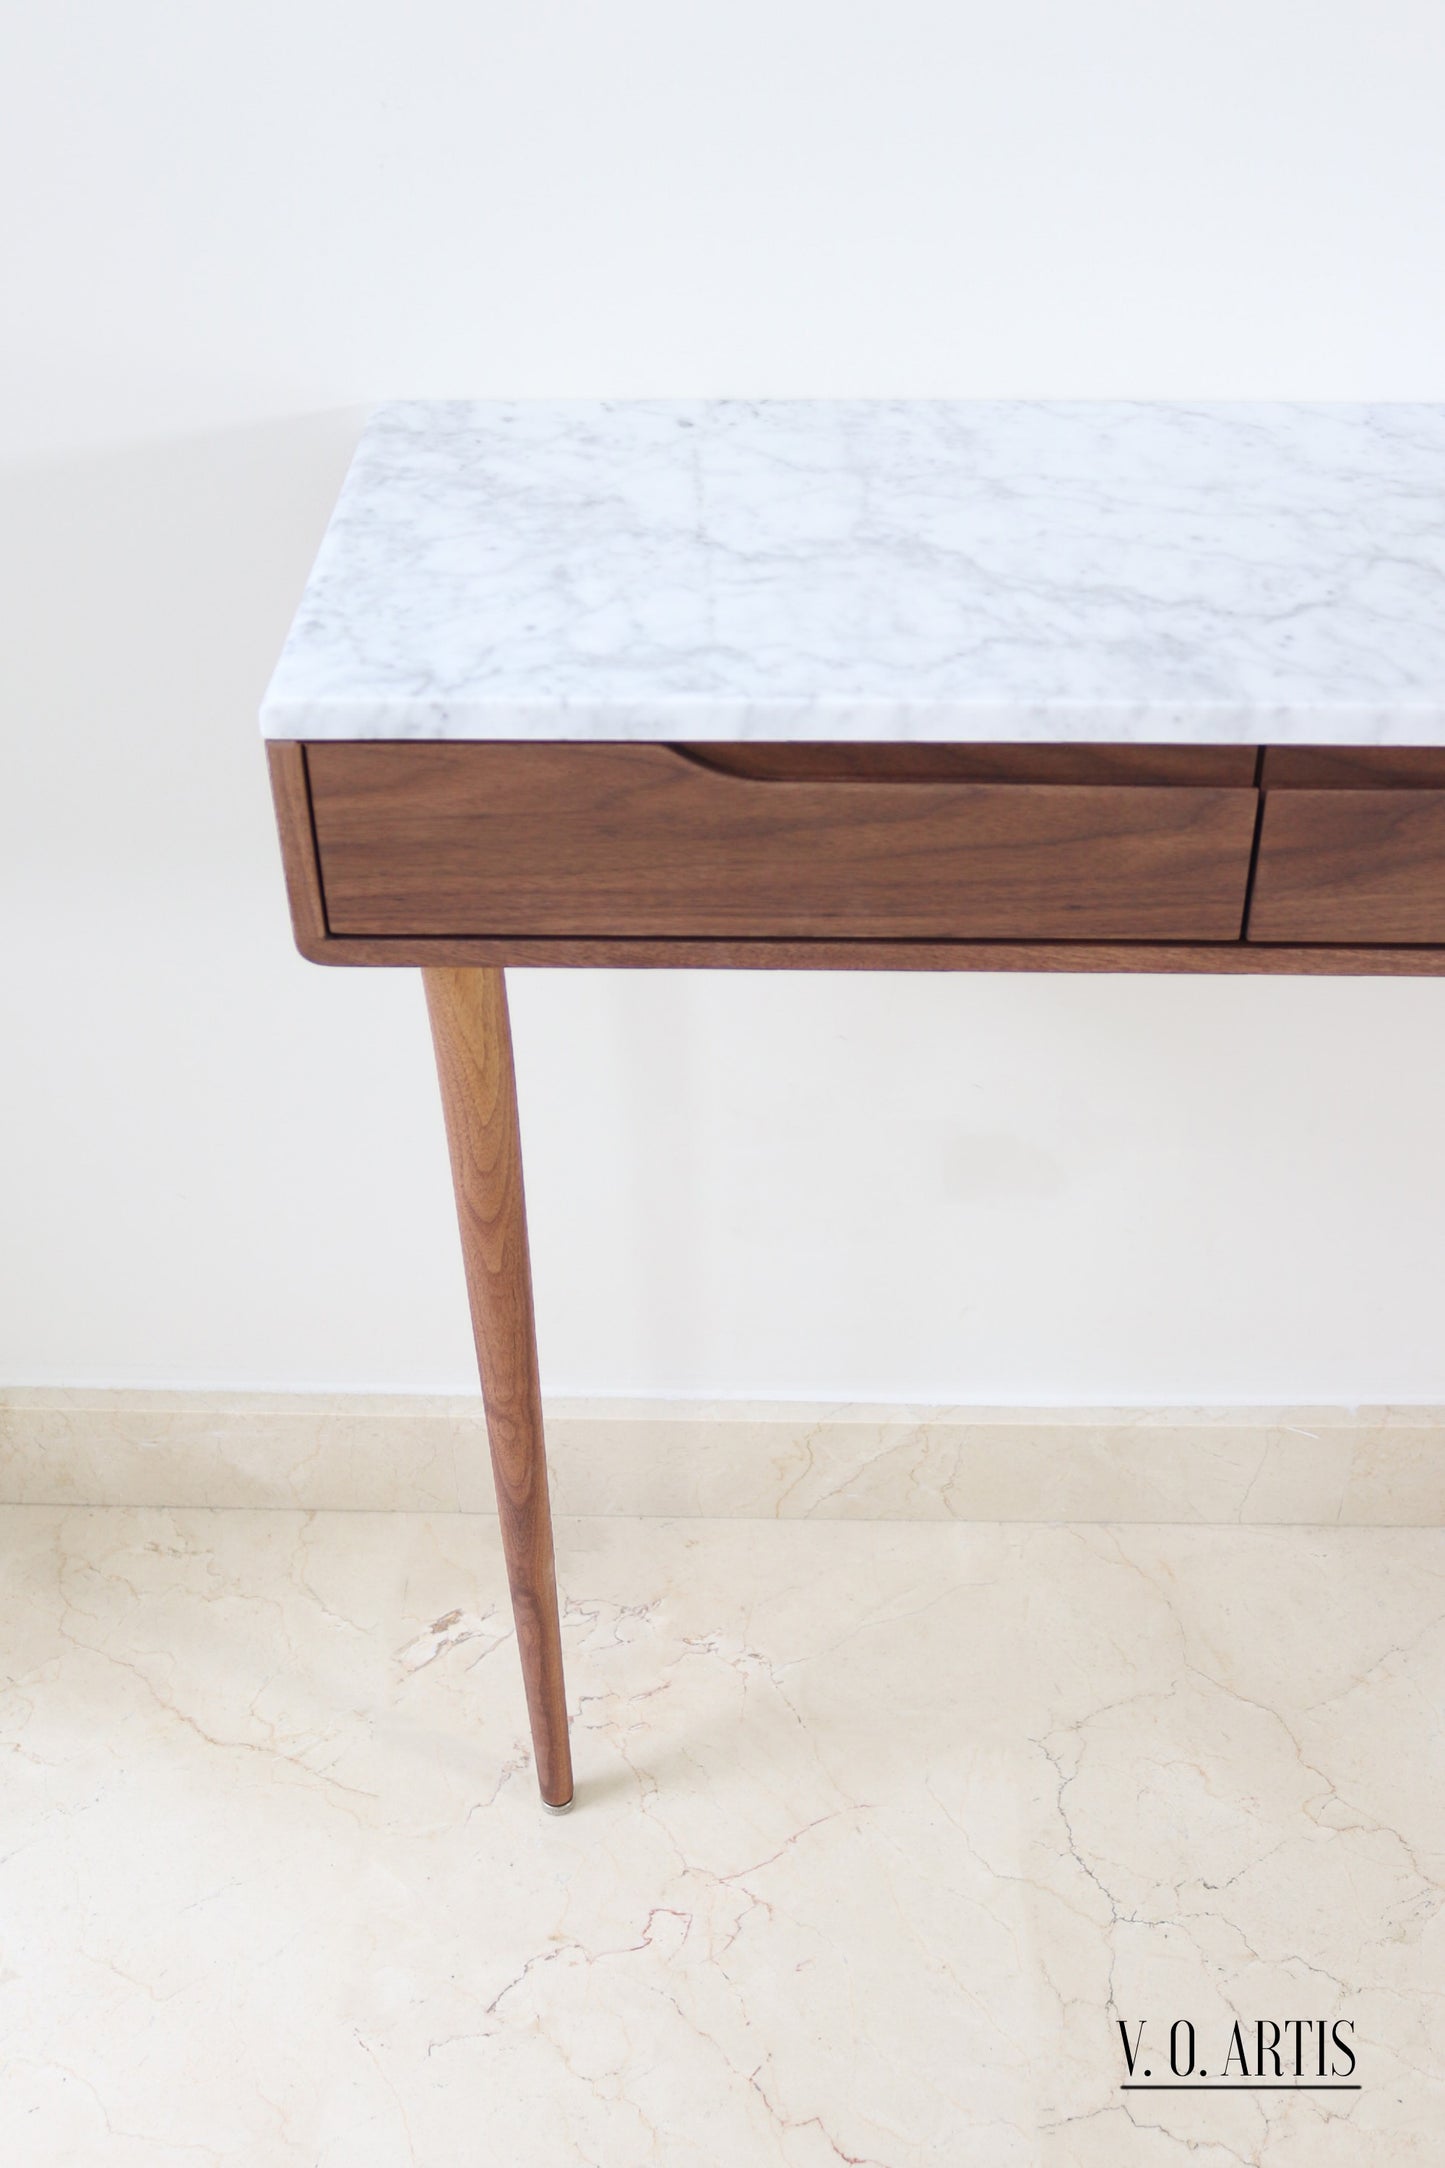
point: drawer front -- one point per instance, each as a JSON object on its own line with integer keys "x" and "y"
{"x": 1354, "y": 767}
{"x": 1228, "y": 766}
{"x": 643, "y": 840}
{"x": 1351, "y": 865}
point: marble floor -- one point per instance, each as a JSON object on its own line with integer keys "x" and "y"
{"x": 881, "y": 1828}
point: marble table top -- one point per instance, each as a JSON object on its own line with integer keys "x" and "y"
{"x": 879, "y": 569}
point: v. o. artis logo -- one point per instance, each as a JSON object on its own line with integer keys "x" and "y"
{"x": 1263, "y": 2054}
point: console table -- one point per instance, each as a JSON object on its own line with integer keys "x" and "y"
{"x": 866, "y": 684}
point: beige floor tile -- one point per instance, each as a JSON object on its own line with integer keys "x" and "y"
{"x": 880, "y": 1829}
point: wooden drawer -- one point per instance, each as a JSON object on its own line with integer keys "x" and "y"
{"x": 1354, "y": 767}
{"x": 651, "y": 840}
{"x": 1352, "y": 847}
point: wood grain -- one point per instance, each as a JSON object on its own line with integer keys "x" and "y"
{"x": 1348, "y": 767}
{"x": 1299, "y": 954}
{"x": 1252, "y": 959}
{"x": 472, "y": 1037}
{"x": 636, "y": 841}
{"x": 1226, "y": 767}
{"x": 1351, "y": 865}
{"x": 291, "y": 795}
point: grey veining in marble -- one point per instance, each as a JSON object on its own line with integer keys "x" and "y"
{"x": 880, "y": 570}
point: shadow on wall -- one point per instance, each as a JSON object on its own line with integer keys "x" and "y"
{"x": 191, "y": 1119}
{"x": 149, "y": 589}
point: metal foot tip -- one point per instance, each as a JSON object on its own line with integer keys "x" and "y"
{"x": 565, "y": 1808}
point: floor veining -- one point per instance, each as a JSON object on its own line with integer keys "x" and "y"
{"x": 882, "y": 1829}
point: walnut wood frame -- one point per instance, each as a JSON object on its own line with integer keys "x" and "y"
{"x": 1341, "y": 839}
{"x": 472, "y": 1037}
{"x": 320, "y": 944}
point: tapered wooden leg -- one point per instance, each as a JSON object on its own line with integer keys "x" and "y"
{"x": 473, "y": 1042}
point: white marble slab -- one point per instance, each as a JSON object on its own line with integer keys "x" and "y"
{"x": 884, "y": 570}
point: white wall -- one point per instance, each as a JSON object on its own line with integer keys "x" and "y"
{"x": 228, "y": 229}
